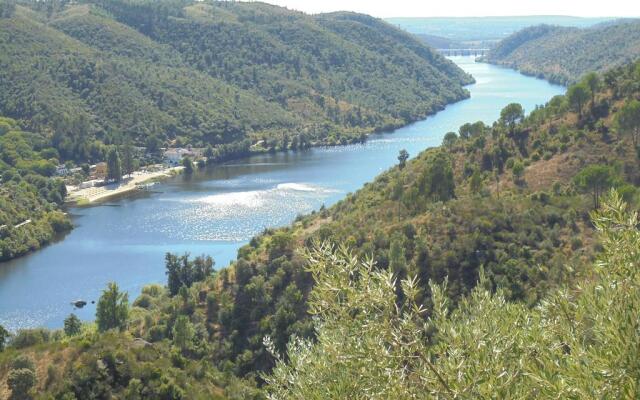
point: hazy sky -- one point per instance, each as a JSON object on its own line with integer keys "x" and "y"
{"x": 442, "y": 8}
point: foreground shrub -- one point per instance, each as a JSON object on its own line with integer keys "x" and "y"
{"x": 582, "y": 342}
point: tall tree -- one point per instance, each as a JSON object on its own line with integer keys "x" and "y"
{"x": 174, "y": 273}
{"x": 72, "y": 325}
{"x": 181, "y": 271}
{"x": 511, "y": 115}
{"x": 183, "y": 332}
{"x": 437, "y": 180}
{"x": 403, "y": 156}
{"x": 114, "y": 166}
{"x": 449, "y": 140}
{"x": 468, "y": 130}
{"x": 592, "y": 80}
{"x": 128, "y": 159}
{"x": 596, "y": 179}
{"x": 628, "y": 120}
{"x": 113, "y": 308}
{"x": 578, "y": 95}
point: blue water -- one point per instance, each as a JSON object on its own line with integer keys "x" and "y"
{"x": 217, "y": 211}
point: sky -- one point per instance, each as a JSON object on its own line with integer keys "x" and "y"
{"x": 469, "y": 8}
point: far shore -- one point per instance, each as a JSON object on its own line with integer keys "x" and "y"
{"x": 128, "y": 184}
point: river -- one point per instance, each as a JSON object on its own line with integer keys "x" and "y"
{"x": 216, "y": 211}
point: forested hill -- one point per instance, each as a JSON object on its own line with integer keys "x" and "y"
{"x": 509, "y": 204}
{"x": 513, "y": 198}
{"x": 211, "y": 73}
{"x": 29, "y": 197}
{"x": 563, "y": 55}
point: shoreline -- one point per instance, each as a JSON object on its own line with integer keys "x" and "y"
{"x": 57, "y": 324}
{"x": 94, "y": 195}
{"x": 91, "y": 195}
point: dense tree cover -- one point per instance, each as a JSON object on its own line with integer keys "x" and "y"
{"x": 185, "y": 72}
{"x": 575, "y": 344}
{"x": 183, "y": 272}
{"x": 508, "y": 198}
{"x": 564, "y": 55}
{"x": 115, "y": 365}
{"x": 503, "y": 204}
{"x": 29, "y": 197}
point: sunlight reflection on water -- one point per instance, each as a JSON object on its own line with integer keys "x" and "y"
{"x": 218, "y": 210}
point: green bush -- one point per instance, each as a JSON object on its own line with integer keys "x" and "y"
{"x": 21, "y": 382}
{"x": 575, "y": 341}
{"x": 29, "y": 337}
{"x": 23, "y": 362}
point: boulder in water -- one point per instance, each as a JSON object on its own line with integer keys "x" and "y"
{"x": 79, "y": 303}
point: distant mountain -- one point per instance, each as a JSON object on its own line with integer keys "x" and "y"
{"x": 218, "y": 73}
{"x": 563, "y": 55}
{"x": 486, "y": 28}
{"x": 440, "y": 42}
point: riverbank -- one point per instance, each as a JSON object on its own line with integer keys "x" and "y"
{"x": 134, "y": 182}
{"x": 221, "y": 208}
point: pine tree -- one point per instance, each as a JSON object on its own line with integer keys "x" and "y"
{"x": 72, "y": 325}
{"x": 113, "y": 308}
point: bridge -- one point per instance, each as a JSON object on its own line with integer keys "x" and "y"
{"x": 463, "y": 52}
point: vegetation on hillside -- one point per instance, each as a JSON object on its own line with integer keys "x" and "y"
{"x": 564, "y": 55}
{"x": 508, "y": 205}
{"x": 577, "y": 343}
{"x": 29, "y": 197}
{"x": 211, "y": 73}
{"x": 513, "y": 198}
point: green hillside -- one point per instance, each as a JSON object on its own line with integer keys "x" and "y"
{"x": 509, "y": 205}
{"x": 211, "y": 72}
{"x": 29, "y": 198}
{"x": 564, "y": 55}
{"x": 513, "y": 198}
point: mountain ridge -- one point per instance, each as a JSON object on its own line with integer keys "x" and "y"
{"x": 563, "y": 54}
{"x": 247, "y": 71}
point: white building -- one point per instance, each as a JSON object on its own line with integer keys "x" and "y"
{"x": 91, "y": 183}
{"x": 174, "y": 156}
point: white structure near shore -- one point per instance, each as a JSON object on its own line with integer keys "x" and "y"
{"x": 174, "y": 156}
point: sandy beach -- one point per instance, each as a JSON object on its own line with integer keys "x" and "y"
{"x": 128, "y": 184}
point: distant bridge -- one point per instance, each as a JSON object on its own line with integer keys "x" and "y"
{"x": 463, "y": 52}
